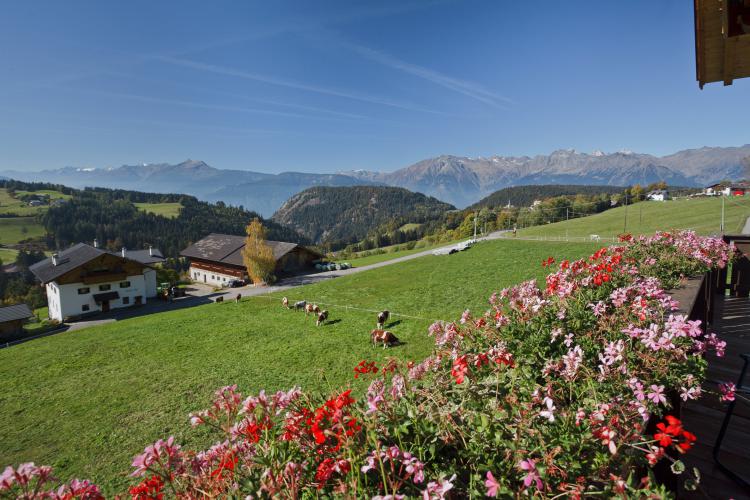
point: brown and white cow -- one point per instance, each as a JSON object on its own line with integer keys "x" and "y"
{"x": 300, "y": 305}
{"x": 316, "y": 309}
{"x": 384, "y": 337}
{"x": 308, "y": 309}
{"x": 285, "y": 302}
{"x": 238, "y": 298}
{"x": 219, "y": 299}
{"x": 382, "y": 318}
{"x": 322, "y": 316}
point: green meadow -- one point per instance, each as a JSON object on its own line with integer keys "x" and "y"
{"x": 702, "y": 215}
{"x": 169, "y": 210}
{"x": 87, "y": 401}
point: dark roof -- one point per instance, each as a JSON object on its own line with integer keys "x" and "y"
{"x": 143, "y": 256}
{"x": 227, "y": 249}
{"x": 76, "y": 256}
{"x": 67, "y": 260}
{"x": 14, "y": 313}
{"x": 101, "y": 297}
{"x": 10, "y": 268}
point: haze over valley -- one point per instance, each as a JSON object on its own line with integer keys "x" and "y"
{"x": 457, "y": 180}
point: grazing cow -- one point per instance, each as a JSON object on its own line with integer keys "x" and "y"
{"x": 285, "y": 302}
{"x": 238, "y": 298}
{"x": 383, "y": 336}
{"x": 308, "y": 309}
{"x": 322, "y": 316}
{"x": 382, "y": 318}
{"x": 300, "y": 306}
{"x": 219, "y": 299}
{"x": 316, "y": 309}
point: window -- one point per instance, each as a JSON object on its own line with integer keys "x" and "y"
{"x": 125, "y": 284}
{"x": 126, "y": 300}
{"x": 85, "y": 307}
{"x": 104, "y": 288}
{"x": 83, "y": 291}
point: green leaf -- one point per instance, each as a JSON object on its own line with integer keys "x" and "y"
{"x": 678, "y": 467}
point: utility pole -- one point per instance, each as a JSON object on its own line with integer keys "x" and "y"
{"x": 625, "y": 227}
{"x": 475, "y": 226}
{"x": 722, "y": 215}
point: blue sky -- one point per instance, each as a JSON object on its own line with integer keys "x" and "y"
{"x": 327, "y": 86}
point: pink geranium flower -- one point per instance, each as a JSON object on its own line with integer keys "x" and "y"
{"x": 491, "y": 484}
{"x": 532, "y": 475}
{"x": 657, "y": 394}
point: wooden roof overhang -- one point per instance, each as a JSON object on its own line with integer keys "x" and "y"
{"x": 722, "y": 40}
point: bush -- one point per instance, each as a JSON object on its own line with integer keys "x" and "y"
{"x": 547, "y": 393}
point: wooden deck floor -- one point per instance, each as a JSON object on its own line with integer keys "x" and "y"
{"x": 704, "y": 417}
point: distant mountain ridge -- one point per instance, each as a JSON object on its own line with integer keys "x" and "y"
{"x": 464, "y": 180}
{"x": 348, "y": 214}
{"x": 458, "y": 180}
{"x": 256, "y": 191}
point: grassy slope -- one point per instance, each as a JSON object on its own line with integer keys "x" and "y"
{"x": 389, "y": 255}
{"x": 170, "y": 210}
{"x": 10, "y": 205}
{"x": 87, "y": 401}
{"x": 8, "y": 255}
{"x": 11, "y": 229}
{"x": 54, "y": 195}
{"x": 702, "y": 215}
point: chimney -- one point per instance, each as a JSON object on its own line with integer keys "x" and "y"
{"x": 96, "y": 243}
{"x": 150, "y": 250}
{"x": 123, "y": 252}
{"x": 54, "y": 259}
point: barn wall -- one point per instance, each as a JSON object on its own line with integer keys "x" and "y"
{"x": 215, "y": 274}
{"x": 11, "y": 329}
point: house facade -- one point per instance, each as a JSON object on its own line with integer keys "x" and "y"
{"x": 217, "y": 259}
{"x": 84, "y": 280}
{"x": 658, "y": 195}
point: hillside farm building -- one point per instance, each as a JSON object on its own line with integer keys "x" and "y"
{"x": 12, "y": 319}
{"x": 217, "y": 259}
{"x": 658, "y": 195}
{"x": 84, "y": 279}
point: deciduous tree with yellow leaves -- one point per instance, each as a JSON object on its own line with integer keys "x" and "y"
{"x": 257, "y": 255}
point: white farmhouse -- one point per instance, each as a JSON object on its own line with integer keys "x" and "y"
{"x": 84, "y": 279}
{"x": 658, "y": 195}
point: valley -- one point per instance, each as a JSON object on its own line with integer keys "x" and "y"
{"x": 458, "y": 180}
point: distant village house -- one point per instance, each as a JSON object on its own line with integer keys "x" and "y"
{"x": 658, "y": 195}
{"x": 85, "y": 279}
{"x": 724, "y": 189}
{"x": 217, "y": 259}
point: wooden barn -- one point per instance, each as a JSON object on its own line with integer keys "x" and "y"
{"x": 722, "y": 40}
{"x": 12, "y": 319}
{"x": 217, "y": 259}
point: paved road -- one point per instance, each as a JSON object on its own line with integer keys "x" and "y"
{"x": 746, "y": 229}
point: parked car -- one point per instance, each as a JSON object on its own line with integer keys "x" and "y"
{"x": 235, "y": 283}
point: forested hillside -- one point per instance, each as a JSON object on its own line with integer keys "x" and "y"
{"x": 524, "y": 196}
{"x": 341, "y": 215}
{"x": 111, "y": 217}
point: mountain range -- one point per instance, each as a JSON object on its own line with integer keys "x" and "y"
{"x": 458, "y": 180}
